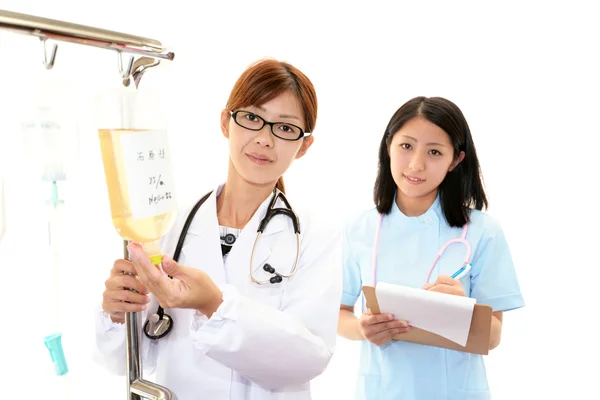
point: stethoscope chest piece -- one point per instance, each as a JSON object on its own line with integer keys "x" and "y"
{"x": 157, "y": 327}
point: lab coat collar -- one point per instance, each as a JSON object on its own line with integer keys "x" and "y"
{"x": 433, "y": 214}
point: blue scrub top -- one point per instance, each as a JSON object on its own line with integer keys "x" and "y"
{"x": 407, "y": 248}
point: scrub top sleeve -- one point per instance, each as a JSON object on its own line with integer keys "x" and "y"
{"x": 352, "y": 282}
{"x": 493, "y": 278}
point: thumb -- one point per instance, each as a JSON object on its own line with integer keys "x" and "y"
{"x": 427, "y": 286}
{"x": 170, "y": 266}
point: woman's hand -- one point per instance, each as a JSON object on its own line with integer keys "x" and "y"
{"x": 445, "y": 284}
{"x": 380, "y": 328}
{"x": 123, "y": 293}
{"x": 189, "y": 288}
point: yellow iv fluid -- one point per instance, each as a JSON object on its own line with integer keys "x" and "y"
{"x": 140, "y": 185}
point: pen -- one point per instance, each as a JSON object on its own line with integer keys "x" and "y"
{"x": 461, "y": 272}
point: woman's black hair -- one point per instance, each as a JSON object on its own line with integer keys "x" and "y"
{"x": 462, "y": 188}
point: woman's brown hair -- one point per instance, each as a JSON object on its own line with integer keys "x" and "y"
{"x": 266, "y": 79}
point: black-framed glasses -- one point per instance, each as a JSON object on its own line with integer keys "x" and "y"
{"x": 253, "y": 122}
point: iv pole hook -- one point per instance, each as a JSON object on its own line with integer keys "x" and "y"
{"x": 125, "y": 72}
{"x": 48, "y": 63}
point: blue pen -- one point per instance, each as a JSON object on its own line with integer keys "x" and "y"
{"x": 461, "y": 272}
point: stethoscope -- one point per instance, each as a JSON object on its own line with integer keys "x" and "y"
{"x": 465, "y": 265}
{"x": 160, "y": 324}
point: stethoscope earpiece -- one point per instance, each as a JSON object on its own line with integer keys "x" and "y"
{"x": 275, "y": 279}
{"x": 269, "y": 269}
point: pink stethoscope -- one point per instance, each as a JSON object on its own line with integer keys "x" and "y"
{"x": 462, "y": 240}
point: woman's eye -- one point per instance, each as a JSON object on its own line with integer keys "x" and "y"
{"x": 251, "y": 117}
{"x": 405, "y": 146}
{"x": 436, "y": 153}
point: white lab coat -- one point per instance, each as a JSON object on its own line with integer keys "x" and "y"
{"x": 264, "y": 342}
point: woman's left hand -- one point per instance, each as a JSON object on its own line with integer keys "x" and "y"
{"x": 189, "y": 288}
{"x": 445, "y": 284}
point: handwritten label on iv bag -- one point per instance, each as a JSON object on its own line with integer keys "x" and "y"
{"x": 147, "y": 167}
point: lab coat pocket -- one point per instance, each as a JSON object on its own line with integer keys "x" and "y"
{"x": 270, "y": 295}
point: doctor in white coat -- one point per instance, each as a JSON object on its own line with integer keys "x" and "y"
{"x": 233, "y": 338}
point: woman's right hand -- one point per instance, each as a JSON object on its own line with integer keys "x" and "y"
{"x": 380, "y": 328}
{"x": 118, "y": 297}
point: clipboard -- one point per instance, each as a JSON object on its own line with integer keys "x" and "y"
{"x": 478, "y": 341}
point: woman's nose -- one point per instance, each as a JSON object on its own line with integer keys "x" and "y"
{"x": 264, "y": 137}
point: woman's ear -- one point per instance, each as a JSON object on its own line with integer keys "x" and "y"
{"x": 306, "y": 143}
{"x": 461, "y": 156}
{"x": 225, "y": 118}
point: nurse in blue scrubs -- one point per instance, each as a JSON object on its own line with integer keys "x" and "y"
{"x": 428, "y": 191}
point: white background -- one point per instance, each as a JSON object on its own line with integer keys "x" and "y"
{"x": 525, "y": 74}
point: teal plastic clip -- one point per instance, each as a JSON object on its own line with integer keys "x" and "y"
{"x": 55, "y": 201}
{"x": 54, "y": 344}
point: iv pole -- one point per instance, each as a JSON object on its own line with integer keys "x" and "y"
{"x": 150, "y": 53}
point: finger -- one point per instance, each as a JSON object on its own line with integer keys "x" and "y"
{"x": 171, "y": 267}
{"x": 397, "y": 332}
{"x": 375, "y": 329}
{"x": 386, "y": 336}
{"x": 126, "y": 295}
{"x": 402, "y": 330}
{"x": 180, "y": 272}
{"x": 443, "y": 288}
{"x": 163, "y": 283}
{"x": 380, "y": 337}
{"x": 147, "y": 271}
{"x": 131, "y": 282}
{"x": 126, "y": 282}
{"x": 373, "y": 319}
{"x": 446, "y": 280}
{"x": 117, "y": 307}
{"x": 122, "y": 266}
{"x": 427, "y": 286}
{"x": 396, "y": 323}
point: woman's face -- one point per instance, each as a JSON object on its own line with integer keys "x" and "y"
{"x": 421, "y": 154}
{"x": 260, "y": 157}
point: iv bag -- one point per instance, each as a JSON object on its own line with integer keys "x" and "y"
{"x": 44, "y": 143}
{"x": 48, "y": 125}
{"x": 137, "y": 166}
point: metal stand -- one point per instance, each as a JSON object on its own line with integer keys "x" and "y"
{"x": 138, "y": 388}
